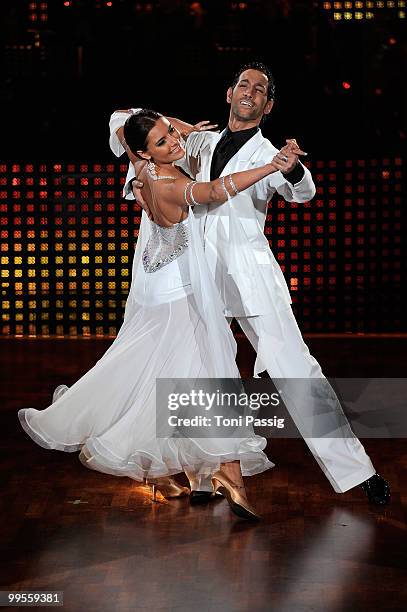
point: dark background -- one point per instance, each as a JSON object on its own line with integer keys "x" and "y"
{"x": 67, "y": 237}
{"x": 63, "y": 75}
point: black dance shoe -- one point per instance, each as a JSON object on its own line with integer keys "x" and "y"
{"x": 197, "y": 498}
{"x": 377, "y": 490}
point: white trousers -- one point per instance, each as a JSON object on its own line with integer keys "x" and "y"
{"x": 342, "y": 459}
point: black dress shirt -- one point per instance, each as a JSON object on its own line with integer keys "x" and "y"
{"x": 231, "y": 143}
{"x": 227, "y": 147}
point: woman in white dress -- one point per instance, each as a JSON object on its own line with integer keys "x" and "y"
{"x": 173, "y": 327}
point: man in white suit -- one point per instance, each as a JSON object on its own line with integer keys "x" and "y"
{"x": 247, "y": 275}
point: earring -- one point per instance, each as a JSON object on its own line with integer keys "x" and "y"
{"x": 151, "y": 169}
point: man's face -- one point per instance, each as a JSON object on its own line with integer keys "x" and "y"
{"x": 248, "y": 99}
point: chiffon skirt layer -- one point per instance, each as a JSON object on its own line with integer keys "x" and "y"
{"x": 110, "y": 413}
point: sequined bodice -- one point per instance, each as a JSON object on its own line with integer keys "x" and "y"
{"x": 164, "y": 245}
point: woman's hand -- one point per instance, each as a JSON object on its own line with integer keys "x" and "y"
{"x": 136, "y": 186}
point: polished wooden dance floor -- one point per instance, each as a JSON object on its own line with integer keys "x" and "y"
{"x": 103, "y": 542}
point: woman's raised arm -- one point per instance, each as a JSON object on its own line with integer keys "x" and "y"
{"x": 191, "y": 193}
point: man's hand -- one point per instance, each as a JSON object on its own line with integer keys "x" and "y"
{"x": 204, "y": 126}
{"x": 136, "y": 187}
{"x": 287, "y": 158}
{"x": 185, "y": 129}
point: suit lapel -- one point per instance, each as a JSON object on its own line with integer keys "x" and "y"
{"x": 206, "y": 157}
{"x": 245, "y": 153}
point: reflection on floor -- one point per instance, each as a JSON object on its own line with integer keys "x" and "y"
{"x": 102, "y": 541}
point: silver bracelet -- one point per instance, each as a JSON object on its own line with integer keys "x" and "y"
{"x": 186, "y": 194}
{"x": 222, "y": 181}
{"x": 191, "y": 195}
{"x": 233, "y": 186}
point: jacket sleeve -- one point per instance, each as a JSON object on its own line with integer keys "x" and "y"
{"x": 127, "y": 190}
{"x": 117, "y": 120}
{"x": 191, "y": 162}
{"x": 303, "y": 191}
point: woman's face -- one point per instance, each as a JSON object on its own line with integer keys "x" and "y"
{"x": 164, "y": 143}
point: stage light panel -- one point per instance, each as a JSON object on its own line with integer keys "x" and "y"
{"x": 335, "y": 251}
{"x": 358, "y": 10}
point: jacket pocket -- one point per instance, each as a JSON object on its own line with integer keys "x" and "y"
{"x": 263, "y": 256}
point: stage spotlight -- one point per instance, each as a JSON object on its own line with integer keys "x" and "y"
{"x": 360, "y": 10}
{"x": 38, "y": 12}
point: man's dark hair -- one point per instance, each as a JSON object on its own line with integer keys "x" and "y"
{"x": 137, "y": 128}
{"x": 261, "y": 68}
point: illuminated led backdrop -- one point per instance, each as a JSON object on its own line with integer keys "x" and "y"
{"x": 67, "y": 242}
{"x": 67, "y": 237}
{"x": 367, "y": 9}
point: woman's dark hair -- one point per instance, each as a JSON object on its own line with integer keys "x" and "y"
{"x": 137, "y": 128}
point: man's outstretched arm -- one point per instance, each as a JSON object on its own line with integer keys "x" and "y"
{"x": 298, "y": 185}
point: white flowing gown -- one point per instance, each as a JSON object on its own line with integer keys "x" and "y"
{"x": 174, "y": 327}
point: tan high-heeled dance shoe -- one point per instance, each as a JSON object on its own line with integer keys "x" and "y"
{"x": 238, "y": 504}
{"x": 168, "y": 487}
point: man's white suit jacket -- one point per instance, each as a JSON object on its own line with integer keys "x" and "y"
{"x": 246, "y": 272}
